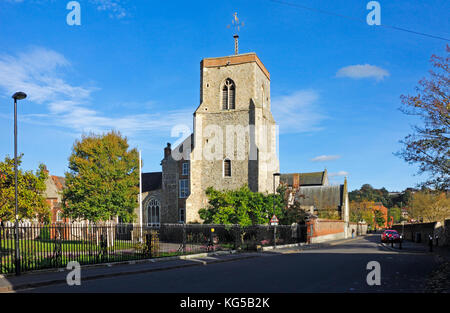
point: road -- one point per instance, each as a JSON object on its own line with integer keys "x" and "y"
{"x": 338, "y": 268}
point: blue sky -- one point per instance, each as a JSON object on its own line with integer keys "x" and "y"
{"x": 134, "y": 66}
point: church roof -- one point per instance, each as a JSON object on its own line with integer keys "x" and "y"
{"x": 151, "y": 181}
{"x": 304, "y": 179}
{"x": 322, "y": 197}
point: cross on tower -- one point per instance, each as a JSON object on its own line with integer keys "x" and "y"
{"x": 237, "y": 25}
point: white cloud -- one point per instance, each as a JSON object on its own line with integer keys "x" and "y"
{"x": 40, "y": 73}
{"x": 324, "y": 158}
{"x": 297, "y": 112}
{"x": 115, "y": 7}
{"x": 340, "y": 173}
{"x": 363, "y": 71}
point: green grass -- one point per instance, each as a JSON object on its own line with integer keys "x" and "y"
{"x": 66, "y": 245}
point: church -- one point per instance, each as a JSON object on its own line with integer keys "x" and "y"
{"x": 234, "y": 143}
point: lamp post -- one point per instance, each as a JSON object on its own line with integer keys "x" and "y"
{"x": 17, "y": 96}
{"x": 275, "y": 226}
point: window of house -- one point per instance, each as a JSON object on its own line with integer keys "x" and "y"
{"x": 228, "y": 95}
{"x": 182, "y": 216}
{"x": 185, "y": 169}
{"x": 59, "y": 216}
{"x": 227, "y": 168}
{"x": 184, "y": 188}
{"x": 153, "y": 209}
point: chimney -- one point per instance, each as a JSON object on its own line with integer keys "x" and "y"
{"x": 167, "y": 151}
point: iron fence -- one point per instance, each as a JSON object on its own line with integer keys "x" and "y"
{"x": 53, "y": 246}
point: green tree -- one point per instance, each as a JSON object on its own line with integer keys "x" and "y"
{"x": 31, "y": 188}
{"x": 429, "y": 144}
{"x": 396, "y": 213}
{"x": 241, "y": 206}
{"x": 362, "y": 211}
{"x": 368, "y": 193}
{"x": 430, "y": 206}
{"x": 379, "y": 218}
{"x": 292, "y": 212}
{"x": 103, "y": 179}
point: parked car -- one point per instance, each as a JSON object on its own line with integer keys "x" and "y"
{"x": 390, "y": 234}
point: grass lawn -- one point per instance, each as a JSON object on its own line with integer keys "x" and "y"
{"x": 66, "y": 245}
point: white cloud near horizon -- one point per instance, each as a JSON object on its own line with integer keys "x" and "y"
{"x": 324, "y": 158}
{"x": 40, "y": 73}
{"x": 298, "y": 112}
{"x": 363, "y": 71}
{"x": 340, "y": 173}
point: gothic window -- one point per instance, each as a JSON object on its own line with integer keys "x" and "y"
{"x": 153, "y": 212}
{"x": 228, "y": 95}
{"x": 227, "y": 168}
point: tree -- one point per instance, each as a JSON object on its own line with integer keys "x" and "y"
{"x": 379, "y": 218}
{"x": 428, "y": 145}
{"x": 362, "y": 211}
{"x": 103, "y": 179}
{"x": 396, "y": 214}
{"x": 31, "y": 188}
{"x": 368, "y": 193}
{"x": 430, "y": 206}
{"x": 292, "y": 209}
{"x": 241, "y": 206}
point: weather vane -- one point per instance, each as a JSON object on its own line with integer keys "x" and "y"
{"x": 237, "y": 25}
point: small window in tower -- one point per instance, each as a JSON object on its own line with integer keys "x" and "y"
{"x": 227, "y": 168}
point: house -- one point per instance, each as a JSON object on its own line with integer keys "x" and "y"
{"x": 54, "y": 187}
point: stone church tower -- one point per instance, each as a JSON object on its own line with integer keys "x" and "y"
{"x": 234, "y": 131}
{"x": 234, "y": 142}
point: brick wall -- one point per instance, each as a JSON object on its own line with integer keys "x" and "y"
{"x": 320, "y": 230}
{"x": 418, "y": 232}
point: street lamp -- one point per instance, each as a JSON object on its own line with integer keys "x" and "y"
{"x": 273, "y": 201}
{"x": 17, "y": 96}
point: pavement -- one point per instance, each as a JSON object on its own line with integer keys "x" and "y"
{"x": 439, "y": 279}
{"x": 42, "y": 278}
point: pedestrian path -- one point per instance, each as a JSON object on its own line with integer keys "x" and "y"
{"x": 43, "y": 278}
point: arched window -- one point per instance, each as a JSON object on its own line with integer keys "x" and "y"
{"x": 228, "y": 95}
{"x": 227, "y": 168}
{"x": 153, "y": 212}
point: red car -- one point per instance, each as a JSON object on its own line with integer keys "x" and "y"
{"x": 390, "y": 234}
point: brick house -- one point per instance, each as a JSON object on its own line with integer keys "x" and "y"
{"x": 54, "y": 186}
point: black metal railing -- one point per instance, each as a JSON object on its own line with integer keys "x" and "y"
{"x": 53, "y": 246}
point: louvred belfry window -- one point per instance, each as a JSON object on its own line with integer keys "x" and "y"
{"x": 227, "y": 168}
{"x": 228, "y": 95}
